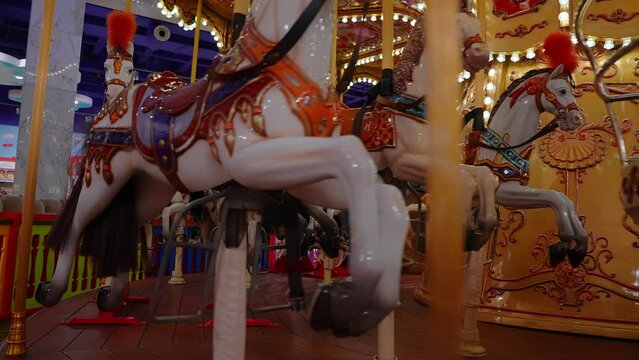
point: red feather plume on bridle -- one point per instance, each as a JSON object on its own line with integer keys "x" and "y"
{"x": 121, "y": 29}
{"x": 559, "y": 49}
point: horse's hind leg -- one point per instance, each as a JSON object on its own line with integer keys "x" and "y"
{"x": 91, "y": 202}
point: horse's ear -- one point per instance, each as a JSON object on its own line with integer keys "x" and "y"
{"x": 559, "y": 70}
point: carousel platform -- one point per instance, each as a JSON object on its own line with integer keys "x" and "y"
{"x": 291, "y": 339}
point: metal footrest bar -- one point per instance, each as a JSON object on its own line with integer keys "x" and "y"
{"x": 171, "y": 243}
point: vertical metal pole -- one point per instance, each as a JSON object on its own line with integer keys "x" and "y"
{"x": 127, "y": 6}
{"x": 386, "y": 329}
{"x": 334, "y": 47}
{"x": 196, "y": 40}
{"x": 444, "y": 248}
{"x": 240, "y": 9}
{"x": 388, "y": 36}
{"x": 17, "y": 340}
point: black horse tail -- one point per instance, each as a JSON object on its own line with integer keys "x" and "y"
{"x": 110, "y": 239}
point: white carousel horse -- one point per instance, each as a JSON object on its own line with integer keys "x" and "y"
{"x": 398, "y": 139}
{"x": 515, "y": 117}
{"x": 272, "y": 129}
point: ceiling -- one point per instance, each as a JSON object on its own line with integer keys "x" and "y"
{"x": 153, "y": 55}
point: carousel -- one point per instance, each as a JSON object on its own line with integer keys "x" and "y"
{"x": 320, "y": 179}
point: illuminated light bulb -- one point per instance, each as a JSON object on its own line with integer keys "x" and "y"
{"x": 608, "y": 44}
{"x": 490, "y": 57}
{"x": 175, "y": 10}
{"x": 488, "y": 100}
{"x": 18, "y": 77}
{"x": 466, "y": 74}
{"x": 474, "y": 11}
{"x": 460, "y": 79}
{"x": 420, "y": 6}
{"x": 501, "y": 57}
{"x": 351, "y": 84}
{"x": 573, "y": 39}
{"x": 216, "y": 38}
{"x": 374, "y": 18}
{"x": 564, "y": 2}
{"x": 345, "y": 66}
{"x": 220, "y": 45}
{"x": 405, "y": 18}
{"x": 413, "y": 22}
{"x": 396, "y": 17}
{"x": 354, "y": 19}
{"x": 181, "y": 23}
{"x": 204, "y": 22}
{"x": 490, "y": 87}
{"x": 530, "y": 54}
{"x": 344, "y": 19}
{"x": 486, "y": 115}
{"x": 591, "y": 42}
{"x": 164, "y": 12}
{"x": 564, "y": 17}
{"x": 515, "y": 57}
{"x": 381, "y": 17}
{"x": 626, "y": 42}
{"x": 160, "y": 4}
{"x": 492, "y": 72}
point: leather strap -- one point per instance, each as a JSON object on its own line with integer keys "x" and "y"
{"x": 279, "y": 51}
{"x": 543, "y": 132}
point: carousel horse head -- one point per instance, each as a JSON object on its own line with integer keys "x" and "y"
{"x": 118, "y": 67}
{"x": 411, "y": 65}
{"x": 476, "y": 53}
{"x": 552, "y": 88}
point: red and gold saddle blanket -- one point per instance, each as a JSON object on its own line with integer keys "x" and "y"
{"x": 378, "y": 127}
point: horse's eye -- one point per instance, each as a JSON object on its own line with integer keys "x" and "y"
{"x": 563, "y": 91}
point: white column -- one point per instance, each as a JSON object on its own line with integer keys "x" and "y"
{"x": 63, "y": 78}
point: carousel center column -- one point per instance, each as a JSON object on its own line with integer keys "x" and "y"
{"x": 62, "y": 81}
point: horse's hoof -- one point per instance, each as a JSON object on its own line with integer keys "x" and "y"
{"x": 106, "y": 300}
{"x": 557, "y": 252}
{"x": 334, "y": 307}
{"x": 577, "y": 254}
{"x": 321, "y": 315}
{"x": 45, "y": 295}
{"x": 330, "y": 245}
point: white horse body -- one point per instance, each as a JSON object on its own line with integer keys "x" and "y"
{"x": 286, "y": 158}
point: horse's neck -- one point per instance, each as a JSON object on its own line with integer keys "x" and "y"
{"x": 312, "y": 53}
{"x": 111, "y": 92}
{"x": 518, "y": 122}
{"x": 418, "y": 86}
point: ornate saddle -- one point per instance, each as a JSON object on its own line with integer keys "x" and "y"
{"x": 167, "y": 119}
{"x": 172, "y": 92}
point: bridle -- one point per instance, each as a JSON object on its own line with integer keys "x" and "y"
{"x": 537, "y": 86}
{"x": 118, "y": 56}
{"x": 475, "y": 39}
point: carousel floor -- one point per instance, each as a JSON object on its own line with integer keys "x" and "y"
{"x": 292, "y": 339}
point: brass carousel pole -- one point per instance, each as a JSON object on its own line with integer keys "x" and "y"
{"x": 386, "y": 329}
{"x": 327, "y": 262}
{"x": 196, "y": 40}
{"x": 17, "y": 340}
{"x": 240, "y": 9}
{"x": 127, "y": 6}
{"x": 388, "y": 35}
{"x": 444, "y": 250}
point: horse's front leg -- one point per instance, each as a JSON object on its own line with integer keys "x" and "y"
{"x": 288, "y": 163}
{"x": 487, "y": 185}
{"x": 512, "y": 194}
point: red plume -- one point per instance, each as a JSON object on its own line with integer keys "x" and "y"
{"x": 560, "y": 50}
{"x": 121, "y": 27}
